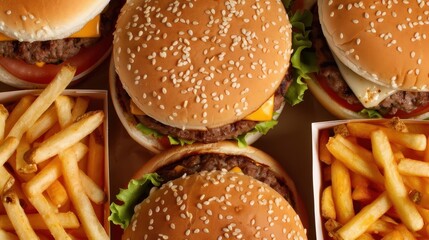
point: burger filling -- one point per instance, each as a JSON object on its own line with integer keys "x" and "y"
{"x": 234, "y": 130}
{"x": 405, "y": 101}
{"x": 57, "y": 51}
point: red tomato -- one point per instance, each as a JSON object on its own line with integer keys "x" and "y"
{"x": 84, "y": 60}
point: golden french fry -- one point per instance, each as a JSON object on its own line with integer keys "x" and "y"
{"x": 6, "y": 180}
{"x": 364, "y": 153}
{"x": 393, "y": 235}
{"x": 42, "y": 125}
{"x": 58, "y": 194}
{"x": 341, "y": 192}
{"x": 362, "y": 193}
{"x": 20, "y": 165}
{"x": 52, "y": 131}
{"x": 354, "y": 162}
{"x": 365, "y": 218}
{"x": 393, "y": 182}
{"x": 327, "y": 204}
{"x": 48, "y": 214}
{"x": 365, "y": 236}
{"x": 52, "y": 171}
{"x": 7, "y": 148}
{"x": 332, "y": 227}
{"x": 426, "y": 153}
{"x": 92, "y": 190}
{"x": 68, "y": 220}
{"x": 381, "y": 227}
{"x": 23, "y": 104}
{"x": 7, "y": 235}
{"x": 79, "y": 107}
{"x": 414, "y": 141}
{"x": 66, "y": 137}
{"x": 96, "y": 157}
{"x": 413, "y": 167}
{"x": 21, "y": 176}
{"x": 324, "y": 154}
{"x": 81, "y": 203}
{"x": 17, "y": 216}
{"x": 64, "y": 105}
{"x": 43, "y": 101}
{"x": 4, "y": 114}
{"x": 406, "y": 234}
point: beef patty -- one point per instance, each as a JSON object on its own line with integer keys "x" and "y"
{"x": 210, "y": 161}
{"x": 406, "y": 101}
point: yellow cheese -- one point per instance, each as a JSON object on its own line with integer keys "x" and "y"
{"x": 236, "y": 170}
{"x": 135, "y": 110}
{"x": 91, "y": 29}
{"x": 40, "y": 64}
{"x": 264, "y": 113}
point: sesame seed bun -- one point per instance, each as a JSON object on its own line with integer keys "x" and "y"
{"x": 241, "y": 212}
{"x": 42, "y": 20}
{"x": 386, "y": 44}
{"x": 201, "y": 64}
{"x": 247, "y": 209}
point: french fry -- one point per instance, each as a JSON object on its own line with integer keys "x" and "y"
{"x": 7, "y": 236}
{"x": 324, "y": 154}
{"x": 58, "y": 194}
{"x": 20, "y": 165}
{"x": 341, "y": 192}
{"x": 381, "y": 227}
{"x": 354, "y": 162}
{"x": 394, "y": 185}
{"x": 412, "y": 167}
{"x": 6, "y": 180}
{"x": 327, "y": 204}
{"x": 79, "y": 107}
{"x": 43, "y": 101}
{"x": 48, "y": 214}
{"x": 64, "y": 105}
{"x": 365, "y": 236}
{"x": 364, "y": 153}
{"x": 52, "y": 171}
{"x": 96, "y": 157}
{"x": 81, "y": 203}
{"x": 365, "y": 218}
{"x": 4, "y": 114}
{"x": 7, "y": 148}
{"x": 410, "y": 140}
{"x": 68, "y": 220}
{"x": 42, "y": 125}
{"x": 23, "y": 104}
{"x": 17, "y": 216}
{"x": 393, "y": 235}
{"x": 406, "y": 234}
{"x": 92, "y": 190}
{"x": 66, "y": 137}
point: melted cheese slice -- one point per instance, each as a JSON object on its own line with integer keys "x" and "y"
{"x": 91, "y": 29}
{"x": 369, "y": 93}
{"x": 264, "y": 113}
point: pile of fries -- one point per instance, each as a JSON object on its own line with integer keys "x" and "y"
{"x": 375, "y": 178}
{"x": 52, "y": 166}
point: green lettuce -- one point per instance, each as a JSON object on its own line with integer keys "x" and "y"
{"x": 135, "y": 193}
{"x": 370, "y": 113}
{"x": 148, "y": 131}
{"x": 179, "y": 141}
{"x": 303, "y": 58}
{"x": 261, "y": 127}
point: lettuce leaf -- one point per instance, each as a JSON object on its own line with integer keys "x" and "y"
{"x": 135, "y": 193}
{"x": 179, "y": 141}
{"x": 303, "y": 58}
{"x": 261, "y": 127}
{"x": 148, "y": 131}
{"x": 370, "y": 113}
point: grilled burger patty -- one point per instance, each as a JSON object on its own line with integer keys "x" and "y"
{"x": 406, "y": 101}
{"x": 57, "y": 51}
{"x": 229, "y": 131}
{"x": 215, "y": 161}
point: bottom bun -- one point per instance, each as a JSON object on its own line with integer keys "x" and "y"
{"x": 245, "y": 201}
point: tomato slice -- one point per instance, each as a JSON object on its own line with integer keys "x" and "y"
{"x": 84, "y": 60}
{"x": 358, "y": 107}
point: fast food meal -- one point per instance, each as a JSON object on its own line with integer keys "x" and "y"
{"x": 376, "y": 187}
{"x": 43, "y": 191}
{"x": 38, "y": 38}
{"x": 205, "y": 71}
{"x": 213, "y": 191}
{"x": 372, "y": 58}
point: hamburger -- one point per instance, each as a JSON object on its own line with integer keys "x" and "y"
{"x": 38, "y": 38}
{"x": 373, "y": 58}
{"x": 215, "y": 191}
{"x": 202, "y": 71}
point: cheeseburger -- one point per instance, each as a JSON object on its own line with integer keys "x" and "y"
{"x": 200, "y": 71}
{"x": 38, "y": 37}
{"x": 212, "y": 191}
{"x": 373, "y": 58}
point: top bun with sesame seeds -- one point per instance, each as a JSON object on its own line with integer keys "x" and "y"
{"x": 224, "y": 201}
{"x": 379, "y": 61}
{"x": 201, "y": 64}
